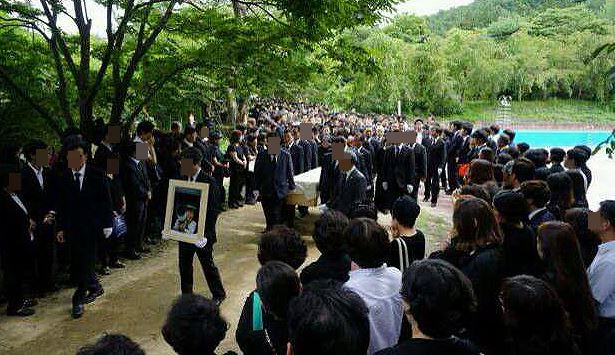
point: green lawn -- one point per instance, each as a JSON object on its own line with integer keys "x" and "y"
{"x": 549, "y": 111}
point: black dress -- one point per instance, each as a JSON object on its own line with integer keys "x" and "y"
{"x": 520, "y": 252}
{"x": 450, "y": 346}
{"x": 414, "y": 250}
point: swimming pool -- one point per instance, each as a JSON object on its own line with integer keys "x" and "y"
{"x": 555, "y": 138}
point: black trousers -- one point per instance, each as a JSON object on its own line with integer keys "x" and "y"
{"x": 136, "y": 219}
{"x": 272, "y": 208}
{"x": 288, "y": 215}
{"x": 212, "y": 275}
{"x": 443, "y": 178}
{"x": 236, "y": 184}
{"x": 83, "y": 264}
{"x": 453, "y": 179}
{"x": 249, "y": 186}
{"x": 14, "y": 278}
{"x": 415, "y": 190}
{"x": 432, "y": 186}
{"x": 108, "y": 250}
{"x": 44, "y": 251}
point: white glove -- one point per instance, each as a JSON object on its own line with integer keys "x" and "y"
{"x": 107, "y": 232}
{"x": 201, "y": 243}
{"x": 410, "y": 188}
{"x": 439, "y": 171}
{"x": 385, "y": 186}
{"x": 255, "y": 193}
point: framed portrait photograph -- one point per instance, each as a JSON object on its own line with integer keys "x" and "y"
{"x": 186, "y": 210}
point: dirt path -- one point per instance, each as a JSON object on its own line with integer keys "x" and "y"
{"x": 137, "y": 298}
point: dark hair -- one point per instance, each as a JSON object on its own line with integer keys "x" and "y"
{"x": 277, "y": 284}
{"x": 607, "y": 211}
{"x": 194, "y": 325}
{"x": 480, "y": 135}
{"x": 75, "y": 142}
{"x": 364, "y": 211}
{"x": 504, "y": 139}
{"x": 542, "y": 173}
{"x": 474, "y": 224}
{"x": 578, "y": 156}
{"x": 560, "y": 185}
{"x": 524, "y": 169}
{"x": 175, "y": 125}
{"x": 537, "y": 191}
{"x": 194, "y": 154}
{"x": 405, "y": 211}
{"x": 481, "y": 171}
{"x": 368, "y": 243}
{"x": 495, "y": 129}
{"x": 510, "y": 133}
{"x": 487, "y": 154}
{"x": 477, "y": 191}
{"x": 566, "y": 273}
{"x": 503, "y": 158}
{"x": 327, "y": 319}
{"x": 145, "y": 127}
{"x": 511, "y": 205}
{"x": 283, "y": 244}
{"x": 537, "y": 156}
{"x": 235, "y": 137}
{"x": 112, "y": 344}
{"x": 29, "y": 150}
{"x": 557, "y": 155}
{"x": 578, "y": 187}
{"x": 329, "y": 232}
{"x": 440, "y": 297}
{"x": 189, "y": 130}
{"x": 523, "y": 148}
{"x": 535, "y": 318}
{"x": 586, "y": 150}
{"x": 589, "y": 240}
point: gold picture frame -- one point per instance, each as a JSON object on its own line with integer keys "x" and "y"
{"x": 185, "y": 197}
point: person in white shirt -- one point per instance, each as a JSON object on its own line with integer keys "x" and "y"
{"x": 601, "y": 272}
{"x": 377, "y": 284}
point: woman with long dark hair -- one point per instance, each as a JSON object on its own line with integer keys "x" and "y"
{"x": 535, "y": 319}
{"x": 476, "y": 250}
{"x": 482, "y": 173}
{"x": 565, "y": 272}
{"x": 236, "y": 156}
{"x": 589, "y": 241}
{"x": 578, "y": 189}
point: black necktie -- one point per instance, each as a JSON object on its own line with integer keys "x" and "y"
{"x": 77, "y": 182}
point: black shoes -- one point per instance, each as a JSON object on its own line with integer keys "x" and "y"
{"x": 434, "y": 204}
{"x": 132, "y": 255}
{"x": 104, "y": 271}
{"x": 21, "y": 312}
{"x": 29, "y": 303}
{"x": 93, "y": 295}
{"x": 77, "y": 311}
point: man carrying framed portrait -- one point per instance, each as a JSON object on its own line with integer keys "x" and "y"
{"x": 192, "y": 211}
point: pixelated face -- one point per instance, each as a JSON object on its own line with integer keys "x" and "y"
{"x": 189, "y": 214}
{"x": 205, "y": 132}
{"x": 288, "y": 138}
{"x": 76, "y": 158}
{"x": 273, "y": 145}
{"x": 146, "y": 136}
{"x": 346, "y": 163}
{"x": 114, "y": 134}
{"x": 306, "y": 131}
{"x": 141, "y": 151}
{"x": 113, "y": 166}
{"x": 14, "y": 182}
{"x": 596, "y": 223}
{"x": 42, "y": 157}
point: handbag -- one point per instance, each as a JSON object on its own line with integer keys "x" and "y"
{"x": 404, "y": 260}
{"x": 119, "y": 226}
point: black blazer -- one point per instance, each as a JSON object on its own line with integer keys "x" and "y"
{"x": 455, "y": 146}
{"x": 420, "y": 159}
{"x": 37, "y": 200}
{"x": 15, "y": 236}
{"x": 274, "y": 179}
{"x": 308, "y": 154}
{"x": 213, "y": 204}
{"x": 399, "y": 170}
{"x": 298, "y": 158}
{"x": 436, "y": 155}
{"x": 326, "y": 182}
{"x": 115, "y": 185}
{"x": 100, "y": 157}
{"x": 87, "y": 212}
{"x": 349, "y": 193}
{"x": 314, "y": 148}
{"x": 135, "y": 180}
{"x": 367, "y": 164}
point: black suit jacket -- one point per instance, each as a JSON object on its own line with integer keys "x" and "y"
{"x": 115, "y": 185}
{"x": 100, "y": 157}
{"x": 213, "y": 204}
{"x": 399, "y": 170}
{"x": 349, "y": 192}
{"x": 420, "y": 159}
{"x": 308, "y": 154}
{"x": 37, "y": 200}
{"x": 455, "y": 146}
{"x": 84, "y": 214}
{"x": 464, "y": 151}
{"x": 298, "y": 158}
{"x": 436, "y": 155}
{"x": 274, "y": 179}
{"x": 15, "y": 236}
{"x": 135, "y": 180}
{"x": 367, "y": 163}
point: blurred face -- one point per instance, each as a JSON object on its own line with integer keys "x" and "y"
{"x": 418, "y": 126}
{"x": 146, "y": 136}
{"x": 434, "y": 133}
{"x": 189, "y": 214}
{"x": 76, "y": 158}
{"x": 288, "y": 138}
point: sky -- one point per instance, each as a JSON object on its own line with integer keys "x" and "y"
{"x": 417, "y": 7}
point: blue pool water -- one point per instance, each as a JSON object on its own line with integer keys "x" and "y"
{"x": 554, "y": 138}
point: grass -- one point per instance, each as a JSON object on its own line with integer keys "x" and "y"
{"x": 547, "y": 111}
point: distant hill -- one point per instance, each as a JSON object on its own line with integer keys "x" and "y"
{"x": 481, "y": 13}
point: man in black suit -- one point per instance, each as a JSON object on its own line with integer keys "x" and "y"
{"x": 351, "y": 187}
{"x": 298, "y": 161}
{"x": 138, "y": 193}
{"x": 37, "y": 195}
{"x": 309, "y": 161}
{"x": 420, "y": 160}
{"x": 436, "y": 158}
{"x": 364, "y": 155}
{"x": 84, "y": 212}
{"x": 456, "y": 141}
{"x": 273, "y": 175}
{"x": 15, "y": 244}
{"x": 398, "y": 173}
{"x": 204, "y": 247}
{"x": 105, "y": 153}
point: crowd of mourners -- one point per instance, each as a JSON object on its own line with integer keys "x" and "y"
{"x": 527, "y": 267}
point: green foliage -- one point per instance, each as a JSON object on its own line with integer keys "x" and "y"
{"x": 408, "y": 28}
{"x": 566, "y": 21}
{"x": 504, "y": 27}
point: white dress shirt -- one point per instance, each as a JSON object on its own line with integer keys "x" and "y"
{"x": 195, "y": 176}
{"x": 17, "y": 200}
{"x": 601, "y": 275}
{"x": 38, "y": 173}
{"x": 81, "y": 176}
{"x": 379, "y": 288}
